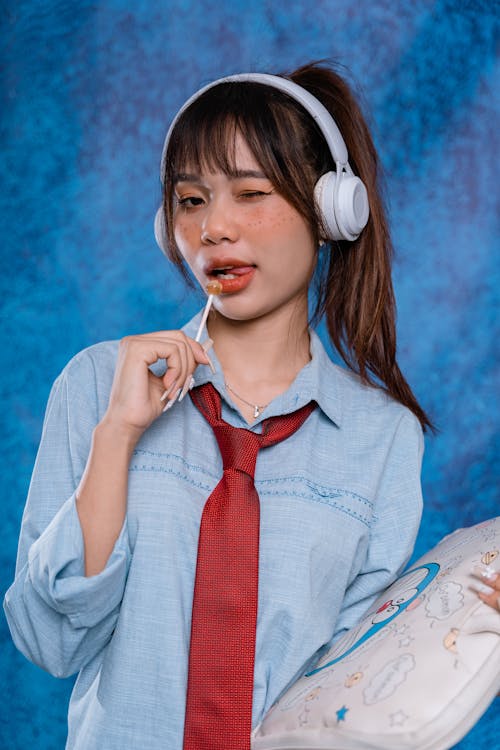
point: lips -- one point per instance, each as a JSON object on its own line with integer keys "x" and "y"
{"x": 233, "y": 274}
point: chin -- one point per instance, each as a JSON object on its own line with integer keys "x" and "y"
{"x": 246, "y": 311}
{"x": 236, "y": 308}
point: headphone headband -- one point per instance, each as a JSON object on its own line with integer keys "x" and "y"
{"x": 316, "y": 109}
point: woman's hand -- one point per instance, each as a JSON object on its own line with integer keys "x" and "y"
{"x": 134, "y": 403}
{"x": 489, "y": 588}
{"x": 138, "y": 397}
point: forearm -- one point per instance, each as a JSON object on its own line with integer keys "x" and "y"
{"x": 102, "y": 493}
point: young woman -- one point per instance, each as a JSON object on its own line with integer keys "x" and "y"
{"x": 107, "y": 562}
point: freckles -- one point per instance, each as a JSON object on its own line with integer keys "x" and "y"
{"x": 284, "y": 217}
{"x": 277, "y": 218}
{"x": 254, "y": 219}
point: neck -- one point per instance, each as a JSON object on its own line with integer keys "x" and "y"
{"x": 261, "y": 356}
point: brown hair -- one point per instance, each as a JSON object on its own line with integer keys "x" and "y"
{"x": 353, "y": 286}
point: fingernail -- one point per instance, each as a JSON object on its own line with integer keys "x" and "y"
{"x": 192, "y": 384}
{"x": 171, "y": 402}
{"x": 185, "y": 387}
{"x": 211, "y": 365}
{"x": 206, "y": 346}
{"x": 482, "y": 588}
{"x": 485, "y": 571}
{"x": 165, "y": 393}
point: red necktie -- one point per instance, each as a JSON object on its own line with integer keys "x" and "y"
{"x": 222, "y": 649}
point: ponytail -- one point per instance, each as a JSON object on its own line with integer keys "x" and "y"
{"x": 355, "y": 293}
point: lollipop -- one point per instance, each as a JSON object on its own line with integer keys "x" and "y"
{"x": 213, "y": 289}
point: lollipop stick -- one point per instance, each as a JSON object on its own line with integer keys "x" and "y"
{"x": 204, "y": 316}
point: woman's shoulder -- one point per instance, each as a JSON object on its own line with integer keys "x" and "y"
{"x": 370, "y": 405}
{"x": 353, "y": 403}
{"x": 80, "y": 393}
{"x": 99, "y": 358}
{"x": 85, "y": 381}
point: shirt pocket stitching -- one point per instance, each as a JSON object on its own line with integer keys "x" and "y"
{"x": 323, "y": 495}
{"x": 164, "y": 468}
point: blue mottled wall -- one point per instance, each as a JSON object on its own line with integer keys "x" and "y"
{"x": 87, "y": 92}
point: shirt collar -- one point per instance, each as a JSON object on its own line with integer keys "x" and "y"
{"x": 320, "y": 380}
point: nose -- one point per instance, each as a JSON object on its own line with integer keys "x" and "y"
{"x": 219, "y": 223}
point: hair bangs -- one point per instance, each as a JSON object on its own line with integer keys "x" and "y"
{"x": 203, "y": 142}
{"x": 205, "y": 135}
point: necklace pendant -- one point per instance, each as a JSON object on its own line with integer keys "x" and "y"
{"x": 256, "y": 411}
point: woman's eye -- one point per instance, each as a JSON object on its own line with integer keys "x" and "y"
{"x": 190, "y": 201}
{"x": 253, "y": 193}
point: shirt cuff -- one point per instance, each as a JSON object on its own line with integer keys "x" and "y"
{"x": 56, "y": 570}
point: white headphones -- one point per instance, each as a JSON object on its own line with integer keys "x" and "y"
{"x": 340, "y": 196}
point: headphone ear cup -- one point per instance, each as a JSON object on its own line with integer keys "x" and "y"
{"x": 352, "y": 209}
{"x": 161, "y": 231}
{"x": 344, "y": 210}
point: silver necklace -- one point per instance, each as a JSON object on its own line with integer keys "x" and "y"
{"x": 257, "y": 410}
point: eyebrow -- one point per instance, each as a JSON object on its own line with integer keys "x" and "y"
{"x": 237, "y": 174}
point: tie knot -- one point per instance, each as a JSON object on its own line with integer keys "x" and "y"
{"x": 238, "y": 448}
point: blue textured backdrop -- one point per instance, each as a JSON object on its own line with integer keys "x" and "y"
{"x": 87, "y": 92}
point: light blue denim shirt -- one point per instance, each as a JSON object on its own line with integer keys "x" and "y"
{"x": 340, "y": 507}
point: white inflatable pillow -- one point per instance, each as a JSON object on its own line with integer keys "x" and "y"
{"x": 418, "y": 672}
